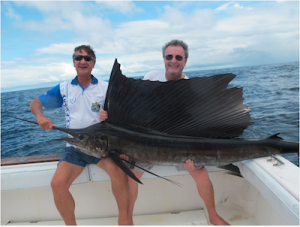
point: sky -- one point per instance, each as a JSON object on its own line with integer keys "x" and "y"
{"x": 38, "y": 37}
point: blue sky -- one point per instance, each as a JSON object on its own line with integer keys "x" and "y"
{"x": 38, "y": 37}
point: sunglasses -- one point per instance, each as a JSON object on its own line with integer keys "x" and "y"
{"x": 177, "y": 57}
{"x": 86, "y": 57}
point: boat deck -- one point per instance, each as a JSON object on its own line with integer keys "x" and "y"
{"x": 194, "y": 217}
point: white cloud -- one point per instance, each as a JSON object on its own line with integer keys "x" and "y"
{"x": 223, "y": 7}
{"x": 124, "y": 7}
{"x": 30, "y": 74}
{"x": 233, "y": 5}
{"x": 57, "y": 48}
{"x": 246, "y": 35}
{"x": 66, "y": 16}
{"x": 53, "y": 6}
{"x": 11, "y": 13}
{"x": 238, "y": 6}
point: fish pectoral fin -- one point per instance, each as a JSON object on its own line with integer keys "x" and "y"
{"x": 233, "y": 170}
{"x": 115, "y": 156}
{"x": 133, "y": 163}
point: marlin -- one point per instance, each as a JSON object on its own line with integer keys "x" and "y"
{"x": 167, "y": 123}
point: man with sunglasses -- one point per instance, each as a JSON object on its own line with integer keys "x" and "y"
{"x": 175, "y": 55}
{"x": 82, "y": 98}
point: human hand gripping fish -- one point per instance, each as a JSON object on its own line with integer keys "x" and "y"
{"x": 189, "y": 165}
{"x": 45, "y": 123}
{"x": 103, "y": 115}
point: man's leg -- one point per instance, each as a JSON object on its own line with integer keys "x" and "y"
{"x": 64, "y": 176}
{"x": 133, "y": 187}
{"x": 119, "y": 187}
{"x": 206, "y": 191}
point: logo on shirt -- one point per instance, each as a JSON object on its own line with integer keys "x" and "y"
{"x": 95, "y": 107}
{"x": 73, "y": 100}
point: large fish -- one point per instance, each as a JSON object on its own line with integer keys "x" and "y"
{"x": 166, "y": 123}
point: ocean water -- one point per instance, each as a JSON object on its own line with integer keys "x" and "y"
{"x": 271, "y": 92}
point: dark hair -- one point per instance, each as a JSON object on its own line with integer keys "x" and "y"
{"x": 176, "y": 42}
{"x": 86, "y": 48}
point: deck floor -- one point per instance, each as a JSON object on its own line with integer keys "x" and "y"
{"x": 194, "y": 217}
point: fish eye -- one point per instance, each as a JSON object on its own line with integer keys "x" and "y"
{"x": 80, "y": 136}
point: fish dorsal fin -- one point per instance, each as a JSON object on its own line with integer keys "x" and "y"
{"x": 202, "y": 106}
{"x": 275, "y": 136}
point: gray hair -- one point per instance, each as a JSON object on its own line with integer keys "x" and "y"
{"x": 87, "y": 48}
{"x": 176, "y": 42}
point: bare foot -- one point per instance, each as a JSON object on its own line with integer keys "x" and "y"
{"x": 123, "y": 221}
{"x": 218, "y": 221}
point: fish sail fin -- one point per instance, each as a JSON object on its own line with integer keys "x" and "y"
{"x": 118, "y": 161}
{"x": 201, "y": 107}
{"x": 145, "y": 170}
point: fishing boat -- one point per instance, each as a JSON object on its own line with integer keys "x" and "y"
{"x": 265, "y": 193}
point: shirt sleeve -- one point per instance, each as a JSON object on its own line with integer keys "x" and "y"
{"x": 146, "y": 77}
{"x": 52, "y": 98}
{"x": 152, "y": 75}
{"x": 155, "y": 76}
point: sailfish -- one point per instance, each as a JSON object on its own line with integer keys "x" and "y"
{"x": 167, "y": 123}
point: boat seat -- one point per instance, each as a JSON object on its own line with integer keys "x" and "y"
{"x": 20, "y": 177}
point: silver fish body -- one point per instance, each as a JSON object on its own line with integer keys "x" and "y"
{"x": 148, "y": 146}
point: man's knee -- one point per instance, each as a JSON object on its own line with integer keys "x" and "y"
{"x": 114, "y": 170}
{"x": 55, "y": 185}
{"x": 58, "y": 183}
{"x": 110, "y": 167}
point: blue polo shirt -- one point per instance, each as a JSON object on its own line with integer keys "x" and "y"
{"x": 82, "y": 105}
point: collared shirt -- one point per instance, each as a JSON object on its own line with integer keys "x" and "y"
{"x": 158, "y": 76}
{"x": 82, "y": 105}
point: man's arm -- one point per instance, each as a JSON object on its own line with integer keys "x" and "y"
{"x": 36, "y": 108}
